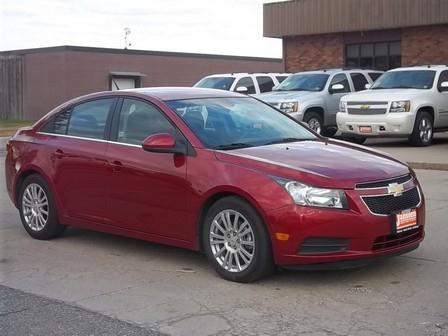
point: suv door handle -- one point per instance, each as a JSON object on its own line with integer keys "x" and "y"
{"x": 58, "y": 154}
{"x": 116, "y": 165}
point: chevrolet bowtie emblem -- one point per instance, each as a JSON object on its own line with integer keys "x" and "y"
{"x": 365, "y": 107}
{"x": 395, "y": 189}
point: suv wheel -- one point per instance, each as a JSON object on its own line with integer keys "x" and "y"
{"x": 314, "y": 121}
{"x": 423, "y": 130}
{"x": 236, "y": 241}
{"x": 37, "y": 209}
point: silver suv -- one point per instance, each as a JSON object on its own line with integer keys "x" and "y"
{"x": 313, "y": 96}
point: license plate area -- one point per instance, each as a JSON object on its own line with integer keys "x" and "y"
{"x": 406, "y": 220}
{"x": 365, "y": 129}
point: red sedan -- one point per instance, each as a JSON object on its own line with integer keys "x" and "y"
{"x": 212, "y": 171}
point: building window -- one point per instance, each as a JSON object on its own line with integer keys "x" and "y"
{"x": 381, "y": 55}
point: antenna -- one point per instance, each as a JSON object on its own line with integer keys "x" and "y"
{"x": 127, "y": 41}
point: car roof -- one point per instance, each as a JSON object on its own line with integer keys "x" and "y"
{"x": 177, "y": 93}
{"x": 423, "y": 67}
{"x": 332, "y": 71}
{"x": 236, "y": 74}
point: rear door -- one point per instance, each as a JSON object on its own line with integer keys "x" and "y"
{"x": 148, "y": 191}
{"x": 77, "y": 142}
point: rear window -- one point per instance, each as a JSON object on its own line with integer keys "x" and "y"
{"x": 220, "y": 83}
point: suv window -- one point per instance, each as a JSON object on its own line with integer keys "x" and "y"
{"x": 88, "y": 120}
{"x": 443, "y": 78}
{"x": 375, "y": 75}
{"x": 247, "y": 82}
{"x": 359, "y": 81}
{"x": 138, "y": 120}
{"x": 341, "y": 78}
{"x": 281, "y": 78}
{"x": 265, "y": 83}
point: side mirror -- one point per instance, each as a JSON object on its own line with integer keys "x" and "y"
{"x": 443, "y": 86}
{"x": 335, "y": 88}
{"x": 368, "y": 86}
{"x": 160, "y": 143}
{"x": 241, "y": 89}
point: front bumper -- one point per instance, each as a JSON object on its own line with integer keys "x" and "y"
{"x": 368, "y": 236}
{"x": 389, "y": 124}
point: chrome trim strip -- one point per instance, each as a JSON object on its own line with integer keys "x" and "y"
{"x": 382, "y": 215}
{"x": 385, "y": 187}
{"x": 90, "y": 139}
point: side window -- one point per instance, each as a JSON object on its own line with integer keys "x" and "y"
{"x": 247, "y": 82}
{"x": 138, "y": 120}
{"x": 359, "y": 81}
{"x": 375, "y": 75}
{"x": 341, "y": 78}
{"x": 88, "y": 120}
{"x": 58, "y": 123}
{"x": 281, "y": 78}
{"x": 265, "y": 83}
{"x": 443, "y": 78}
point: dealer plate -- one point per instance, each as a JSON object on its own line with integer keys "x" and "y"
{"x": 406, "y": 220}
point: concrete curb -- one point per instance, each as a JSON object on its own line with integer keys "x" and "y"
{"x": 429, "y": 166}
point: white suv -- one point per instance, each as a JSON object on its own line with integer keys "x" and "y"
{"x": 313, "y": 96}
{"x": 405, "y": 102}
{"x": 243, "y": 82}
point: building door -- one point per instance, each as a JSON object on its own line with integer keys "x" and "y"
{"x": 122, "y": 83}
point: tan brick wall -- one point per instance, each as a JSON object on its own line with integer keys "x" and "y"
{"x": 424, "y": 45}
{"x": 313, "y": 52}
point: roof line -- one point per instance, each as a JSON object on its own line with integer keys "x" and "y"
{"x": 135, "y": 52}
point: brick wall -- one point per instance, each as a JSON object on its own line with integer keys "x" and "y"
{"x": 313, "y": 52}
{"x": 424, "y": 45}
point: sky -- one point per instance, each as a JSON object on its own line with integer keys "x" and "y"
{"x": 230, "y": 27}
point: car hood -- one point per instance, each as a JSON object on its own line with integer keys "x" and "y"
{"x": 282, "y": 96}
{"x": 331, "y": 164}
{"x": 384, "y": 95}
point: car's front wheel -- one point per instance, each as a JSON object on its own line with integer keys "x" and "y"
{"x": 38, "y": 210}
{"x": 423, "y": 130}
{"x": 236, "y": 241}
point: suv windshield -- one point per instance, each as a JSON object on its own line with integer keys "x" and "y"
{"x": 221, "y": 83}
{"x": 406, "y": 79}
{"x": 230, "y": 123}
{"x": 304, "y": 82}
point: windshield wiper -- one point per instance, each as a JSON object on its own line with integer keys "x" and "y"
{"x": 285, "y": 140}
{"x": 234, "y": 145}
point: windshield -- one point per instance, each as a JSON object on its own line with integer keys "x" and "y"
{"x": 229, "y": 123}
{"x": 406, "y": 79}
{"x": 221, "y": 83}
{"x": 304, "y": 82}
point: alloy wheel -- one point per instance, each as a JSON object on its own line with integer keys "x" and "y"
{"x": 35, "y": 207}
{"x": 232, "y": 240}
{"x": 315, "y": 125}
{"x": 425, "y": 130}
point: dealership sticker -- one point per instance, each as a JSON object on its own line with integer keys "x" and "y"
{"x": 406, "y": 220}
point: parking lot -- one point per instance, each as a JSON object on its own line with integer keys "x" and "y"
{"x": 173, "y": 291}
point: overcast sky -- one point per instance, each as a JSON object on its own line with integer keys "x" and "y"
{"x": 233, "y": 27}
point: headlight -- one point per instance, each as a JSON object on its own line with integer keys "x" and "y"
{"x": 289, "y": 107}
{"x": 342, "y": 106}
{"x": 400, "y": 106}
{"x": 306, "y": 195}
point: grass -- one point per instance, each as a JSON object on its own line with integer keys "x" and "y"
{"x": 9, "y": 127}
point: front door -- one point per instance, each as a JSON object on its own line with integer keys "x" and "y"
{"x": 148, "y": 191}
{"x": 334, "y": 98}
{"x": 442, "y": 101}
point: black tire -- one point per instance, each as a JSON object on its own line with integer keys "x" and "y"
{"x": 261, "y": 263}
{"x": 423, "y": 131}
{"x": 329, "y": 132}
{"x": 51, "y": 227}
{"x": 314, "y": 121}
{"x": 358, "y": 140}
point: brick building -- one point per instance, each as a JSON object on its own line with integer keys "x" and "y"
{"x": 380, "y": 34}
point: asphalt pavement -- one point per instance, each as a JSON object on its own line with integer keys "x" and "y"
{"x": 88, "y": 283}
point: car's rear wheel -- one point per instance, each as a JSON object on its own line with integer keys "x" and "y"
{"x": 423, "y": 132}
{"x": 314, "y": 121}
{"x": 37, "y": 209}
{"x": 236, "y": 241}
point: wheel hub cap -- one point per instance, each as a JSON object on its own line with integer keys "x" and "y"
{"x": 314, "y": 124}
{"x": 35, "y": 207}
{"x": 425, "y": 129}
{"x": 232, "y": 240}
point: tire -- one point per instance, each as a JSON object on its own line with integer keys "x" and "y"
{"x": 232, "y": 259}
{"x": 38, "y": 210}
{"x": 329, "y": 132}
{"x": 423, "y": 131}
{"x": 314, "y": 121}
{"x": 357, "y": 140}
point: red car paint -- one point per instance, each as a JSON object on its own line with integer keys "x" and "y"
{"x": 161, "y": 197}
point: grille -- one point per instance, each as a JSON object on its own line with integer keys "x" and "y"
{"x": 389, "y": 204}
{"x": 393, "y": 240}
{"x": 367, "y": 103}
{"x": 384, "y": 183}
{"x": 323, "y": 245}
{"x": 369, "y": 111}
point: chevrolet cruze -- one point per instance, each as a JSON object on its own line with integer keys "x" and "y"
{"x": 213, "y": 171}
